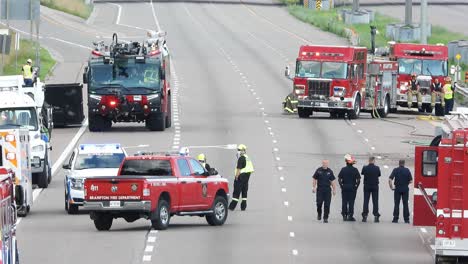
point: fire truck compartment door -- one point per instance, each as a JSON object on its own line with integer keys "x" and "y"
{"x": 425, "y": 185}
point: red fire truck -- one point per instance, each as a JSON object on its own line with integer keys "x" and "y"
{"x": 333, "y": 79}
{"x": 440, "y": 198}
{"x": 428, "y": 62}
{"x": 8, "y": 243}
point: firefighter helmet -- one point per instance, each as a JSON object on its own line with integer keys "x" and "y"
{"x": 201, "y": 157}
{"x": 241, "y": 147}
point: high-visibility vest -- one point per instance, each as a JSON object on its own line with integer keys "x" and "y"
{"x": 27, "y": 72}
{"x": 448, "y": 92}
{"x": 248, "y": 165}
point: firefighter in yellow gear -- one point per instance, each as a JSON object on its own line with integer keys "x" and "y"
{"x": 243, "y": 171}
{"x": 290, "y": 103}
{"x": 448, "y": 95}
{"x": 27, "y": 73}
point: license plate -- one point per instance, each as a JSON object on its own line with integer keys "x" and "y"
{"x": 448, "y": 243}
{"x": 114, "y": 204}
{"x": 137, "y": 97}
{"x": 323, "y": 104}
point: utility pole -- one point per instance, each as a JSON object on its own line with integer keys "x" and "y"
{"x": 423, "y": 22}
{"x": 409, "y": 12}
{"x": 355, "y": 5}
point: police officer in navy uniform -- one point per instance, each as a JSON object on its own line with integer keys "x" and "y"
{"x": 323, "y": 184}
{"x": 399, "y": 180}
{"x": 349, "y": 179}
{"x": 371, "y": 174}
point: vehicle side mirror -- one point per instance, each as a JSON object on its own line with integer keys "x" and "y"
{"x": 66, "y": 166}
{"x": 434, "y": 198}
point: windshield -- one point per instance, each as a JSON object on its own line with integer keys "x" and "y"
{"x": 423, "y": 67}
{"x": 98, "y": 161}
{"x": 19, "y": 116}
{"x": 316, "y": 69}
{"x": 126, "y": 73}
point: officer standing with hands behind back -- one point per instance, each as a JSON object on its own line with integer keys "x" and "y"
{"x": 349, "y": 179}
{"x": 399, "y": 180}
{"x": 323, "y": 180}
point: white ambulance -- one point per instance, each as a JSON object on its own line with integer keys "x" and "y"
{"x": 15, "y": 154}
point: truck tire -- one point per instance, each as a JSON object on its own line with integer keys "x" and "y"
{"x": 220, "y": 212}
{"x": 169, "y": 113}
{"x": 16, "y": 253}
{"x": 354, "y": 114}
{"x": 386, "y": 108}
{"x": 161, "y": 217}
{"x": 156, "y": 122}
{"x": 97, "y": 123}
{"x": 43, "y": 177}
{"x": 304, "y": 112}
{"x": 103, "y": 222}
{"x": 70, "y": 208}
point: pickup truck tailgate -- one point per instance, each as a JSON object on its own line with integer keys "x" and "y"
{"x": 114, "y": 189}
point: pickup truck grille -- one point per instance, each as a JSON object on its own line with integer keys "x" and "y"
{"x": 319, "y": 88}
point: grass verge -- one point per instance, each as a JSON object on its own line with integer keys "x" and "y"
{"x": 75, "y": 7}
{"x": 27, "y": 50}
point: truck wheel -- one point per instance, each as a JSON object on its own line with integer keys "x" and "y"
{"x": 97, "y": 123}
{"x": 161, "y": 216}
{"x": 169, "y": 113}
{"x": 386, "y": 108}
{"x": 156, "y": 122}
{"x": 43, "y": 177}
{"x": 103, "y": 222}
{"x": 303, "y": 112}
{"x": 354, "y": 114}
{"x": 393, "y": 110}
{"x": 49, "y": 179}
{"x": 220, "y": 212}
{"x": 70, "y": 208}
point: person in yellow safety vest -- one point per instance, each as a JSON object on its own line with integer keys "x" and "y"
{"x": 448, "y": 95}
{"x": 27, "y": 73}
{"x": 244, "y": 169}
{"x": 413, "y": 89}
{"x": 290, "y": 103}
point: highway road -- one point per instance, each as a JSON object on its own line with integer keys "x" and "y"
{"x": 228, "y": 61}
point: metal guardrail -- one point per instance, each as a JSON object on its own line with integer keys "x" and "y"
{"x": 461, "y": 95}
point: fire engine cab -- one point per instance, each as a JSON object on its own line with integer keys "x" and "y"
{"x": 428, "y": 62}
{"x": 441, "y": 184}
{"x": 334, "y": 79}
{"x": 8, "y": 243}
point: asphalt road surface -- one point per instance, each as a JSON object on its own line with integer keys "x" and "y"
{"x": 228, "y": 61}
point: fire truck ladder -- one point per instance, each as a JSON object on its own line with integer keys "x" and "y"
{"x": 457, "y": 173}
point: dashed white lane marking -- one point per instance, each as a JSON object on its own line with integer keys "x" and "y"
{"x": 295, "y": 252}
{"x": 283, "y": 189}
{"x": 280, "y": 168}
{"x": 373, "y": 148}
{"x": 275, "y": 149}
{"x": 149, "y": 248}
{"x": 366, "y": 139}
{"x": 291, "y": 234}
{"x": 424, "y": 230}
{"x": 153, "y": 232}
{"x": 359, "y": 131}
{"x": 147, "y": 258}
{"x": 278, "y": 158}
{"x": 266, "y": 121}
{"x": 282, "y": 178}
{"x": 275, "y": 141}
{"x": 385, "y": 166}
{"x": 379, "y": 157}
{"x": 353, "y": 124}
{"x": 151, "y": 239}
{"x": 286, "y": 203}
{"x": 290, "y": 218}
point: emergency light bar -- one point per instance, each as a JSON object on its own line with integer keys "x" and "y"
{"x": 100, "y": 148}
{"x": 325, "y": 54}
{"x": 149, "y": 153}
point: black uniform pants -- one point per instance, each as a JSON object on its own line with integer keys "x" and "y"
{"x": 371, "y": 190}
{"x": 448, "y": 106}
{"x": 347, "y": 205}
{"x": 241, "y": 185}
{"x": 323, "y": 198}
{"x": 401, "y": 195}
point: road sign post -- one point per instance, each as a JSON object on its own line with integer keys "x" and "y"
{"x": 318, "y": 4}
{"x": 458, "y": 70}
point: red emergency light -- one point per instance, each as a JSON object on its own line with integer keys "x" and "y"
{"x": 96, "y": 53}
{"x": 154, "y": 53}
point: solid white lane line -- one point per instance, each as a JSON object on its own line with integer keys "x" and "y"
{"x": 70, "y": 43}
{"x": 151, "y": 239}
{"x": 36, "y": 193}
{"x": 70, "y": 147}
{"x": 119, "y": 13}
{"x": 154, "y": 16}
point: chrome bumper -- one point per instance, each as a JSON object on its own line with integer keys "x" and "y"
{"x": 124, "y": 206}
